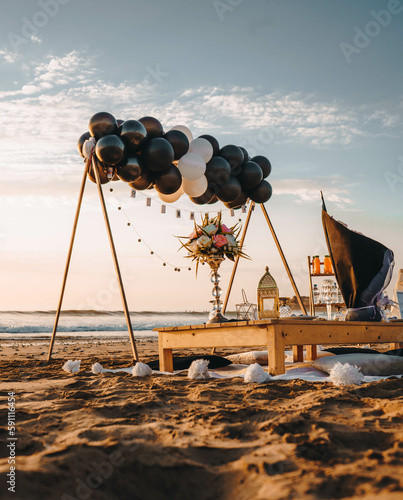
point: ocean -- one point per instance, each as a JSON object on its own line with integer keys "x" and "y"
{"x": 39, "y": 324}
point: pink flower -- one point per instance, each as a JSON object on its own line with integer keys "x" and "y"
{"x": 194, "y": 234}
{"x": 219, "y": 240}
{"x": 225, "y": 230}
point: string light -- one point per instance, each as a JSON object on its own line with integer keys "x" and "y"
{"x": 178, "y": 212}
{"x": 231, "y": 211}
{"x": 140, "y": 240}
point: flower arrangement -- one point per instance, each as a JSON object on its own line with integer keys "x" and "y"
{"x": 213, "y": 239}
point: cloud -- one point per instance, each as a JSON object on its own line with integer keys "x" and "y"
{"x": 48, "y": 113}
{"x": 9, "y": 57}
{"x": 308, "y": 191}
{"x": 36, "y": 39}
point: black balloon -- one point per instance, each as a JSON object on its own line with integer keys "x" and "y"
{"x": 234, "y": 157}
{"x": 168, "y": 181}
{"x": 206, "y": 197}
{"x": 178, "y": 141}
{"x": 239, "y": 202}
{"x": 119, "y": 122}
{"x": 264, "y": 164}
{"x": 84, "y": 137}
{"x": 102, "y": 124}
{"x": 158, "y": 154}
{"x": 246, "y": 156}
{"x": 213, "y": 200}
{"x": 145, "y": 181}
{"x": 261, "y": 193}
{"x": 218, "y": 171}
{"x": 213, "y": 141}
{"x": 110, "y": 150}
{"x": 130, "y": 170}
{"x": 230, "y": 190}
{"x": 133, "y": 133}
{"x": 251, "y": 175}
{"x": 102, "y": 170}
{"x": 153, "y": 127}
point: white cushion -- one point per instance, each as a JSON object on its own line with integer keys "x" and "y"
{"x": 370, "y": 364}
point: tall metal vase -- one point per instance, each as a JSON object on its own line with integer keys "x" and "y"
{"x": 216, "y": 315}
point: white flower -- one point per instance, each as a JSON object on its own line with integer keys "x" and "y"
{"x": 210, "y": 229}
{"x": 231, "y": 241}
{"x": 204, "y": 241}
{"x": 192, "y": 247}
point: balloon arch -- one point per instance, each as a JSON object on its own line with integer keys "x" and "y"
{"x": 140, "y": 153}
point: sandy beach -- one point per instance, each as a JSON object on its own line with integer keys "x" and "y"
{"x": 113, "y": 436}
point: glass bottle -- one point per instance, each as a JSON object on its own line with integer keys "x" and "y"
{"x": 316, "y": 265}
{"x": 327, "y": 264}
{"x": 316, "y": 294}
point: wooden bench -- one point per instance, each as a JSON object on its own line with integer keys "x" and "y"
{"x": 275, "y": 334}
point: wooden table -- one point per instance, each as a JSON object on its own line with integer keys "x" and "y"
{"x": 275, "y": 334}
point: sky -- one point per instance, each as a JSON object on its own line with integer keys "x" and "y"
{"x": 316, "y": 86}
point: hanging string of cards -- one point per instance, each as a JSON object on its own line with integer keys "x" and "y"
{"x": 140, "y": 153}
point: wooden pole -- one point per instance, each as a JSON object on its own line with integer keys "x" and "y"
{"x": 312, "y": 305}
{"x": 66, "y": 270}
{"x": 116, "y": 263}
{"x": 266, "y": 215}
{"x": 235, "y": 266}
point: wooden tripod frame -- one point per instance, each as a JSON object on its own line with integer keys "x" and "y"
{"x": 114, "y": 255}
{"x": 297, "y": 350}
{"x": 290, "y": 276}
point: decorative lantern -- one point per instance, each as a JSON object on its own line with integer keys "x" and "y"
{"x": 267, "y": 297}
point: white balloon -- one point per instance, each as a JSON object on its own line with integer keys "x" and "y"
{"x": 170, "y": 198}
{"x": 191, "y": 166}
{"x": 195, "y": 188}
{"x": 185, "y": 130}
{"x": 202, "y": 147}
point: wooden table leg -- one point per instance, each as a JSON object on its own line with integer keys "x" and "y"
{"x": 298, "y": 353}
{"x": 275, "y": 348}
{"x": 165, "y": 356}
{"x": 311, "y": 352}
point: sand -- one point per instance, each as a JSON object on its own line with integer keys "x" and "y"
{"x": 113, "y": 436}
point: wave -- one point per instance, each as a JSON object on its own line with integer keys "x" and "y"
{"x": 73, "y": 321}
{"x": 68, "y": 329}
{"x": 92, "y": 312}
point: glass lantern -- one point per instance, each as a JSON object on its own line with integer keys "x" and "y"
{"x": 267, "y": 297}
{"x": 285, "y": 310}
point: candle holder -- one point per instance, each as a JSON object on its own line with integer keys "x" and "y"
{"x": 216, "y": 315}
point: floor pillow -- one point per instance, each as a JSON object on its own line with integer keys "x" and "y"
{"x": 370, "y": 364}
{"x": 183, "y": 362}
